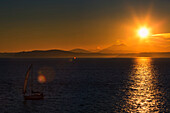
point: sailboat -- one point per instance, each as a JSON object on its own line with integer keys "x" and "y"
{"x": 31, "y": 95}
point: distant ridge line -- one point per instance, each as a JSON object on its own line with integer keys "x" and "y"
{"x": 56, "y": 53}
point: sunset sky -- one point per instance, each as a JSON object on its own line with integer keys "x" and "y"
{"x": 88, "y": 24}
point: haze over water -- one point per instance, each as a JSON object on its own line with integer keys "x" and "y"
{"x": 88, "y": 85}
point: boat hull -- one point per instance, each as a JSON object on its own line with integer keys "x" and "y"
{"x": 34, "y": 97}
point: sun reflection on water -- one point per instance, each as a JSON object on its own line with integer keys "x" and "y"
{"x": 143, "y": 94}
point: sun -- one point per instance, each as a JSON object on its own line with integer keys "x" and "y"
{"x": 143, "y": 32}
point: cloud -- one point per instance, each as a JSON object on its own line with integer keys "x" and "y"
{"x": 161, "y": 41}
{"x": 165, "y": 36}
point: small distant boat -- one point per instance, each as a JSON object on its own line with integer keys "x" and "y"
{"x": 74, "y": 58}
{"x": 32, "y": 95}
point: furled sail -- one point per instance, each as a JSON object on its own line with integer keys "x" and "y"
{"x": 26, "y": 79}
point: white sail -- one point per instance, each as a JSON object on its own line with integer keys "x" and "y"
{"x": 26, "y": 79}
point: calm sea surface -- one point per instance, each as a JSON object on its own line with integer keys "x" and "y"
{"x": 87, "y": 85}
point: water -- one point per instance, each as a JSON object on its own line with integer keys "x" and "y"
{"x": 87, "y": 85}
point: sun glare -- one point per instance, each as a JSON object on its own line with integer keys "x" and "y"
{"x": 143, "y": 32}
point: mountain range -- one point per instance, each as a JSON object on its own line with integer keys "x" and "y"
{"x": 80, "y": 53}
{"x": 78, "y": 50}
{"x": 120, "y": 48}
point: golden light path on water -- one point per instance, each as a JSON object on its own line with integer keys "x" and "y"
{"x": 143, "y": 94}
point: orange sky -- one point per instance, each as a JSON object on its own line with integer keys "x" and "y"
{"x": 90, "y": 25}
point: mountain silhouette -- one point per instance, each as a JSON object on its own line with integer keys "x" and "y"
{"x": 121, "y": 48}
{"x": 78, "y": 50}
{"x": 48, "y": 54}
{"x": 68, "y": 54}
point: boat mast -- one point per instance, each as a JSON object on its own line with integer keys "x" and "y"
{"x": 31, "y": 84}
{"x": 26, "y": 79}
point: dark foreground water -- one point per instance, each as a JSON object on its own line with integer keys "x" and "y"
{"x": 87, "y": 85}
